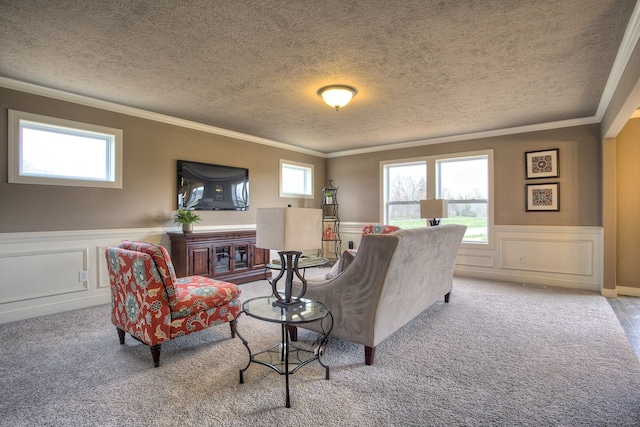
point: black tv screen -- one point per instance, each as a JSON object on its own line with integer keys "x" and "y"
{"x": 203, "y": 186}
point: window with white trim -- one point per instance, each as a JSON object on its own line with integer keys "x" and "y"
{"x": 464, "y": 179}
{"x": 296, "y": 179}
{"x": 405, "y": 184}
{"x": 464, "y": 182}
{"x": 50, "y": 151}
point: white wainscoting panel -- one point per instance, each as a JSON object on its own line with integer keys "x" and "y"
{"x": 51, "y": 272}
{"x": 475, "y": 260}
{"x": 548, "y": 256}
{"x": 351, "y": 231}
{"x": 561, "y": 256}
{"x": 60, "y": 269}
{"x": 102, "y": 273}
{"x": 40, "y": 271}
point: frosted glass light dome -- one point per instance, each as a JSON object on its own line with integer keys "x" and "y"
{"x": 337, "y": 96}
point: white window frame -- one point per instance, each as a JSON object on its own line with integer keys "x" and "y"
{"x": 432, "y": 177}
{"x": 385, "y": 183}
{"x": 309, "y": 178}
{"x": 112, "y": 136}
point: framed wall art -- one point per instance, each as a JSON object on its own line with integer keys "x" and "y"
{"x": 543, "y": 197}
{"x": 542, "y": 164}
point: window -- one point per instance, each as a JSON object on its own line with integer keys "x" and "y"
{"x": 405, "y": 185}
{"x": 50, "y": 151}
{"x": 464, "y": 179}
{"x": 296, "y": 179}
{"x": 464, "y": 182}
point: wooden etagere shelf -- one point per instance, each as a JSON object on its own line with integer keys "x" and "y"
{"x": 331, "y": 242}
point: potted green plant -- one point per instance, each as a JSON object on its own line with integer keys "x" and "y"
{"x": 328, "y": 194}
{"x": 187, "y": 218}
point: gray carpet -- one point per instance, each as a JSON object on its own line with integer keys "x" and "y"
{"x": 498, "y": 354}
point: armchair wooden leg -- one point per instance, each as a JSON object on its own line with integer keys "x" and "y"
{"x": 233, "y": 324}
{"x": 120, "y": 335}
{"x": 155, "y": 353}
{"x": 369, "y": 352}
{"x": 446, "y": 297}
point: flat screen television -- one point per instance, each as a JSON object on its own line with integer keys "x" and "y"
{"x": 203, "y": 186}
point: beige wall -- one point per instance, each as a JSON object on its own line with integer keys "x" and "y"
{"x": 579, "y": 147}
{"x": 628, "y": 205}
{"x": 152, "y": 148}
{"x": 148, "y": 197}
{"x": 609, "y": 215}
{"x": 83, "y": 221}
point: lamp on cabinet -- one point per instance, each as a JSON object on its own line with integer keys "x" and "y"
{"x": 435, "y": 209}
{"x": 289, "y": 231}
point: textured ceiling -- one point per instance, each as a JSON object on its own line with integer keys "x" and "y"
{"x": 423, "y": 69}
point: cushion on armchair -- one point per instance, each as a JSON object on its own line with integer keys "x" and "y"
{"x": 340, "y": 265}
{"x": 379, "y": 229}
{"x": 196, "y": 293}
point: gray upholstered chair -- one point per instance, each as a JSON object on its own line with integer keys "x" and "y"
{"x": 393, "y": 278}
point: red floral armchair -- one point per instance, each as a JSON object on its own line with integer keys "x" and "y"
{"x": 150, "y": 303}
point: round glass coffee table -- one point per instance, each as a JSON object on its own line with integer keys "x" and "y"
{"x": 284, "y": 357}
{"x": 303, "y": 264}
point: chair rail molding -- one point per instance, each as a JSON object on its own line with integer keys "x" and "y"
{"x": 55, "y": 271}
{"x": 51, "y": 272}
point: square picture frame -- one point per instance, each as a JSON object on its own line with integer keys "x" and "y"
{"x": 543, "y": 197}
{"x": 542, "y": 164}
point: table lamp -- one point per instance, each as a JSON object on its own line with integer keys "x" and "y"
{"x": 289, "y": 231}
{"x": 435, "y": 209}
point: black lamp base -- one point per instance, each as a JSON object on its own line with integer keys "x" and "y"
{"x": 289, "y": 267}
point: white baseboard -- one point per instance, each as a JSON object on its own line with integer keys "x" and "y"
{"x": 42, "y": 272}
{"x": 629, "y": 291}
{"x": 37, "y": 309}
{"x": 531, "y": 279}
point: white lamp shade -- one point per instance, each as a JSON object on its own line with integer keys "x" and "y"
{"x": 337, "y": 96}
{"x": 289, "y": 229}
{"x": 434, "y": 208}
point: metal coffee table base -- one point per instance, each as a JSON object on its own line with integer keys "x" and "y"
{"x": 284, "y": 357}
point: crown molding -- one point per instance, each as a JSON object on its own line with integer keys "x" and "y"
{"x": 144, "y": 114}
{"x": 470, "y": 136}
{"x": 631, "y": 37}
{"x": 627, "y": 46}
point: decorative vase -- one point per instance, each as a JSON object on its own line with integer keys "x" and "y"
{"x": 187, "y": 228}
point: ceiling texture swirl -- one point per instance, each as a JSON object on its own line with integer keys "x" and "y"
{"x": 424, "y": 70}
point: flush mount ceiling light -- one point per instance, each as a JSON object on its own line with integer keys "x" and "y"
{"x": 337, "y": 96}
